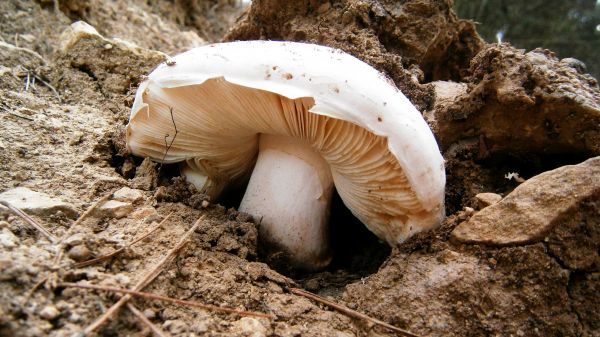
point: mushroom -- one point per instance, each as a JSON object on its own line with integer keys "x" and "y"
{"x": 299, "y": 119}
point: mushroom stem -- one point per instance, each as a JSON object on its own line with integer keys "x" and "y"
{"x": 290, "y": 194}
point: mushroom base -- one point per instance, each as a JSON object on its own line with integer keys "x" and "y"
{"x": 289, "y": 193}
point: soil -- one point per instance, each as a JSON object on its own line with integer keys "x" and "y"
{"x": 65, "y": 95}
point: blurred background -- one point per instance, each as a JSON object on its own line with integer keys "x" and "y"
{"x": 570, "y": 28}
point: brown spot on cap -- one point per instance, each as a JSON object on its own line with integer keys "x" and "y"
{"x": 287, "y": 76}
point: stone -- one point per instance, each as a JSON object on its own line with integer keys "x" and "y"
{"x": 530, "y": 212}
{"x": 114, "y": 209}
{"x": 75, "y": 239}
{"x": 126, "y": 194}
{"x": 149, "y": 313}
{"x": 38, "y": 203}
{"x": 143, "y": 213}
{"x": 49, "y": 312}
{"x": 486, "y": 199}
{"x": 8, "y": 239}
{"x": 251, "y": 327}
{"x": 79, "y": 253}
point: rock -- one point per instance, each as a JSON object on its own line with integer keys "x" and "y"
{"x": 79, "y": 253}
{"x": 8, "y": 239}
{"x": 36, "y": 203}
{"x": 49, "y": 312}
{"x": 75, "y": 239}
{"x": 126, "y": 194}
{"x": 147, "y": 213}
{"x": 534, "y": 208}
{"x": 249, "y": 326}
{"x": 114, "y": 209}
{"x": 486, "y": 199}
{"x": 149, "y": 313}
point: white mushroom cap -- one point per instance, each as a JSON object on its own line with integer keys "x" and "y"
{"x": 383, "y": 158}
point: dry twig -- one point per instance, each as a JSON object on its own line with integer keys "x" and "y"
{"x": 111, "y": 254}
{"x": 152, "y": 296}
{"x": 49, "y": 86}
{"x": 16, "y": 114}
{"x": 26, "y": 50}
{"x": 148, "y": 277}
{"x": 29, "y": 220}
{"x": 33, "y": 289}
{"x": 349, "y": 312}
{"x": 157, "y": 331}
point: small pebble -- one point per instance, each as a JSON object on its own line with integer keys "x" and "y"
{"x": 144, "y": 212}
{"x": 75, "y": 239}
{"x": 251, "y": 326}
{"x": 8, "y": 239}
{"x": 114, "y": 209}
{"x": 75, "y": 318}
{"x": 126, "y": 194}
{"x": 149, "y": 313}
{"x": 49, "y": 312}
{"x": 79, "y": 253}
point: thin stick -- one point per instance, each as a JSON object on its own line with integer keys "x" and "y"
{"x": 118, "y": 251}
{"x": 60, "y": 247}
{"x": 16, "y": 114}
{"x": 49, "y": 87}
{"x": 168, "y": 146}
{"x": 167, "y": 299}
{"x": 157, "y": 331}
{"x": 148, "y": 277}
{"x": 29, "y": 51}
{"x": 349, "y": 312}
{"x": 29, "y": 220}
{"x": 33, "y": 289}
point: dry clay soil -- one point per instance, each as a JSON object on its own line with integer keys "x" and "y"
{"x": 522, "y": 267}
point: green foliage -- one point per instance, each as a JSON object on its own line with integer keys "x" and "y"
{"x": 570, "y": 28}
